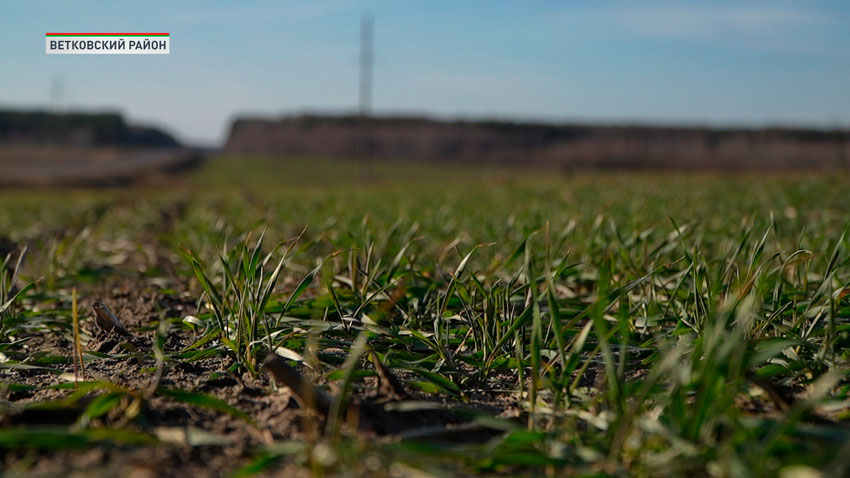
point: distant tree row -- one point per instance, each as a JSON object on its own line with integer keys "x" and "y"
{"x": 77, "y": 129}
{"x": 561, "y": 145}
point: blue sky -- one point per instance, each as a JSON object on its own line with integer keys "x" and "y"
{"x": 745, "y": 62}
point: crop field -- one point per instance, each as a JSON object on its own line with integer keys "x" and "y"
{"x": 311, "y": 318}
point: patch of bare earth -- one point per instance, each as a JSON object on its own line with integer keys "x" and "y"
{"x": 128, "y": 362}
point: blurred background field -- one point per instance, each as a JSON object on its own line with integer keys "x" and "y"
{"x": 740, "y": 280}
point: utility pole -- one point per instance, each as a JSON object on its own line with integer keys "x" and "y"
{"x": 364, "y": 148}
{"x": 366, "y": 61}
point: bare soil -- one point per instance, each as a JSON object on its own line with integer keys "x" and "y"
{"x": 277, "y": 414}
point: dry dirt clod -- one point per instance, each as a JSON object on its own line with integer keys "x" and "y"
{"x": 309, "y": 395}
{"x": 367, "y": 416}
{"x": 106, "y": 320}
{"x": 389, "y": 385}
{"x": 370, "y": 417}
